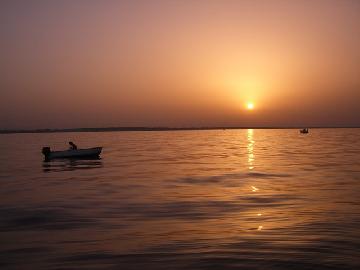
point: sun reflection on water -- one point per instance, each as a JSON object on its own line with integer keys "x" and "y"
{"x": 250, "y": 163}
{"x": 250, "y": 148}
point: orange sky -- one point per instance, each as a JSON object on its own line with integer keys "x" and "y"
{"x": 179, "y": 63}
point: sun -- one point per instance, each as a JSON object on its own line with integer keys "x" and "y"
{"x": 250, "y": 106}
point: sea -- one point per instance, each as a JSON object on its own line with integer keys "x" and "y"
{"x": 194, "y": 199}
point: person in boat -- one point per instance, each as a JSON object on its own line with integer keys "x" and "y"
{"x": 73, "y": 146}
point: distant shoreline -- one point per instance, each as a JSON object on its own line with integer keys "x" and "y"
{"x": 118, "y": 129}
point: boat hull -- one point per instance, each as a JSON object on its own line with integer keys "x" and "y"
{"x": 78, "y": 153}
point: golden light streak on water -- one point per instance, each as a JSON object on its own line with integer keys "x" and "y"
{"x": 250, "y": 149}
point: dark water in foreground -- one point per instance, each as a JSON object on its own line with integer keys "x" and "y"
{"x": 225, "y": 199}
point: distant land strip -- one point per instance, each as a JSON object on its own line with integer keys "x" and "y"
{"x": 111, "y": 129}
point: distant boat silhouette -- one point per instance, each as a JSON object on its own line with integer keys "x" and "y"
{"x": 304, "y": 130}
{"x": 71, "y": 153}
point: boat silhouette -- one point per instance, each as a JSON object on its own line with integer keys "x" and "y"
{"x": 72, "y": 153}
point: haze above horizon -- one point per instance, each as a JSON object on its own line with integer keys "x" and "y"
{"x": 209, "y": 63}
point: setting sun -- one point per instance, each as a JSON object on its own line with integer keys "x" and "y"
{"x": 250, "y": 106}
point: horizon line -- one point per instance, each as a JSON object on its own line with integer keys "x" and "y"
{"x": 139, "y": 128}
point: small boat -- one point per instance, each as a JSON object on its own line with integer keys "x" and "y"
{"x": 77, "y": 153}
{"x": 304, "y": 130}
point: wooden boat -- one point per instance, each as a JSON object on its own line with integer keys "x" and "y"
{"x": 78, "y": 153}
{"x": 304, "y": 130}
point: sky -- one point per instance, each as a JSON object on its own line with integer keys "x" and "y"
{"x": 67, "y": 64}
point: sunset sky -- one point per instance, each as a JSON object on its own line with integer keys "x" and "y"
{"x": 179, "y": 63}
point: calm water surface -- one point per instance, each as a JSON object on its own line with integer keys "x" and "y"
{"x": 223, "y": 199}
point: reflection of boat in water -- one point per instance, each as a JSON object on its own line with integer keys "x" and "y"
{"x": 59, "y": 165}
{"x": 304, "y": 130}
{"x": 72, "y": 153}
